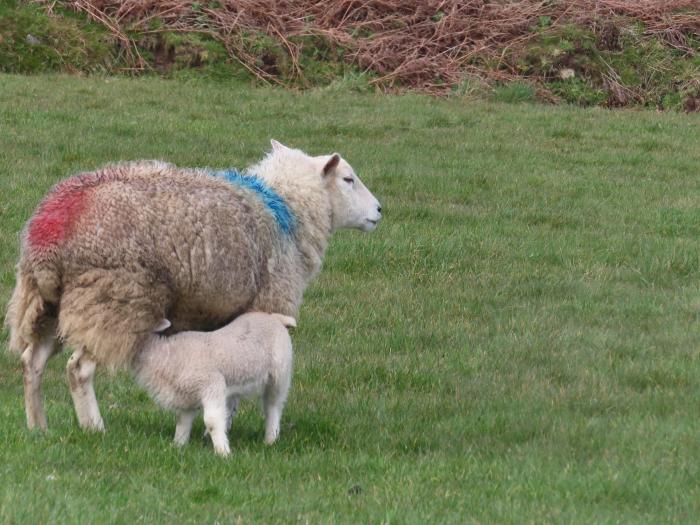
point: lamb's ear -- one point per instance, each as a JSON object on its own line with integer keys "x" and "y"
{"x": 331, "y": 164}
{"x": 163, "y": 325}
{"x": 277, "y": 146}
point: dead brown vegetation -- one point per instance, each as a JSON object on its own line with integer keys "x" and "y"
{"x": 428, "y": 45}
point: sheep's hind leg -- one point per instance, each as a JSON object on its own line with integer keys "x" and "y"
{"x": 81, "y": 371}
{"x": 34, "y": 360}
{"x": 184, "y": 427}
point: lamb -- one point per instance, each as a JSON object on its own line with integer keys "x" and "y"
{"x": 110, "y": 253}
{"x": 252, "y": 355}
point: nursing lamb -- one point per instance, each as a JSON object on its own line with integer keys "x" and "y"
{"x": 184, "y": 372}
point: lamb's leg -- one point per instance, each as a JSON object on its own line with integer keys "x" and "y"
{"x": 81, "y": 370}
{"x": 215, "y": 412}
{"x": 274, "y": 399}
{"x": 34, "y": 360}
{"x": 232, "y": 409}
{"x": 273, "y": 414}
{"x": 184, "y": 427}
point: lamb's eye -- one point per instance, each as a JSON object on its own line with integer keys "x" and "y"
{"x": 349, "y": 180}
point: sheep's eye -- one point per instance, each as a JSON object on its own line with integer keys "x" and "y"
{"x": 349, "y": 180}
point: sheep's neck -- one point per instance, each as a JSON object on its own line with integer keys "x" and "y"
{"x": 313, "y": 225}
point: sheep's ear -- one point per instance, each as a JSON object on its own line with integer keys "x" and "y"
{"x": 331, "y": 164}
{"x": 164, "y": 324}
{"x": 277, "y": 146}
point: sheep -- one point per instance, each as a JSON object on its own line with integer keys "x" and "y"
{"x": 252, "y": 355}
{"x": 109, "y": 253}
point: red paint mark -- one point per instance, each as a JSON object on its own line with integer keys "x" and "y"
{"x": 53, "y": 221}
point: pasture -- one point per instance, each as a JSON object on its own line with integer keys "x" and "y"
{"x": 516, "y": 343}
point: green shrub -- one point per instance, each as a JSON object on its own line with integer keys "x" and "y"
{"x": 185, "y": 55}
{"x": 617, "y": 65}
{"x": 577, "y": 91}
{"x": 31, "y": 41}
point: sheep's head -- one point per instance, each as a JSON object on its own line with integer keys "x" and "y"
{"x": 352, "y": 204}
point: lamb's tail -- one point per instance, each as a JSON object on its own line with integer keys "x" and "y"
{"x": 31, "y": 312}
{"x": 286, "y": 320}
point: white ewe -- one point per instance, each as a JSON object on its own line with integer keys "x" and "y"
{"x": 195, "y": 247}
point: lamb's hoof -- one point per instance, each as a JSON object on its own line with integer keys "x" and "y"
{"x": 94, "y": 426}
{"x": 224, "y": 453}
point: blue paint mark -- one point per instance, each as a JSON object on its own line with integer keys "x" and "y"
{"x": 273, "y": 201}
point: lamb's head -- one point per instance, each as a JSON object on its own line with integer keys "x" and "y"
{"x": 352, "y": 204}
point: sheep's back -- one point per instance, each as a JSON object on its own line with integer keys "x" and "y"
{"x": 208, "y": 242}
{"x": 152, "y": 243}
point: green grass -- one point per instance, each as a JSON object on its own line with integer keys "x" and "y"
{"x": 517, "y": 342}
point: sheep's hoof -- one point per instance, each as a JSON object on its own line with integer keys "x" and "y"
{"x": 37, "y": 425}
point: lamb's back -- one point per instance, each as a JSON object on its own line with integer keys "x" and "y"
{"x": 242, "y": 351}
{"x": 178, "y": 370}
{"x": 175, "y": 370}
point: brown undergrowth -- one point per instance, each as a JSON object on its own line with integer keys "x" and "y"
{"x": 425, "y": 45}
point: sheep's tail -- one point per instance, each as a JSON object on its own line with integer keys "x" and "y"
{"x": 286, "y": 320}
{"x": 111, "y": 313}
{"x": 31, "y": 311}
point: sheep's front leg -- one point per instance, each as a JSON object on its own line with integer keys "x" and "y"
{"x": 34, "y": 360}
{"x": 184, "y": 427}
{"x": 81, "y": 371}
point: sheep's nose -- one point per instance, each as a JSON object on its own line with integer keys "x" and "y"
{"x": 379, "y": 209}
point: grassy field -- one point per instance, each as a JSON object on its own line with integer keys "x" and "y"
{"x": 516, "y": 343}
